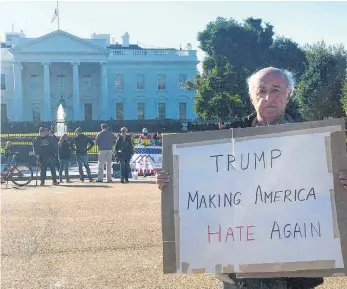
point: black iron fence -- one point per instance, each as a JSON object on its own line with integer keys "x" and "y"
{"x": 22, "y": 134}
{"x": 153, "y": 125}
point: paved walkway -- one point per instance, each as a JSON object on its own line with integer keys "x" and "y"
{"x": 90, "y": 236}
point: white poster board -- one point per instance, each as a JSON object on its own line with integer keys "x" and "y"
{"x": 255, "y": 203}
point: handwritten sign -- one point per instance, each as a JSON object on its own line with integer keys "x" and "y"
{"x": 262, "y": 202}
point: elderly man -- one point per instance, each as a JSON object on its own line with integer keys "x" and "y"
{"x": 270, "y": 90}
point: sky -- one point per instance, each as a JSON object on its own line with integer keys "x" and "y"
{"x": 171, "y": 24}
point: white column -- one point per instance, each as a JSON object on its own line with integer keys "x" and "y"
{"x": 104, "y": 111}
{"x": 18, "y": 97}
{"x": 76, "y": 91}
{"x": 47, "y": 92}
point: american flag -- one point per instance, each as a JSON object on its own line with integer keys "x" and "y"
{"x": 55, "y": 15}
{"x": 148, "y": 151}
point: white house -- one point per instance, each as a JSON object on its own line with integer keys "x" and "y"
{"x": 93, "y": 79}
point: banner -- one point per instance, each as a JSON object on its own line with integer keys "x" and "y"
{"x": 147, "y": 158}
{"x": 260, "y": 202}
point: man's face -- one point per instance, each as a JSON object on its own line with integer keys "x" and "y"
{"x": 270, "y": 95}
{"x": 43, "y": 133}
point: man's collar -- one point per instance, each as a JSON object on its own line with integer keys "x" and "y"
{"x": 280, "y": 120}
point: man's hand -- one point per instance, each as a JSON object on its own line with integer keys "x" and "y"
{"x": 162, "y": 179}
{"x": 343, "y": 179}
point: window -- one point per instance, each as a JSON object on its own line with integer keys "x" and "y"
{"x": 36, "y": 114}
{"x": 119, "y": 111}
{"x": 140, "y": 110}
{"x": 61, "y": 84}
{"x": 183, "y": 111}
{"x": 119, "y": 81}
{"x": 34, "y": 81}
{"x": 3, "y": 82}
{"x": 140, "y": 81}
{"x": 3, "y": 112}
{"x": 161, "y": 82}
{"x": 88, "y": 112}
{"x": 182, "y": 80}
{"x": 87, "y": 82}
{"x": 161, "y": 110}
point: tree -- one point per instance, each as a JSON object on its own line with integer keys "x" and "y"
{"x": 234, "y": 51}
{"x": 319, "y": 92}
{"x": 286, "y": 54}
{"x": 344, "y": 97}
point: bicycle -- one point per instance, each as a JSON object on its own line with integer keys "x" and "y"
{"x": 20, "y": 174}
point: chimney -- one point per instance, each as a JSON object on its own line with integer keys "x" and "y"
{"x": 125, "y": 38}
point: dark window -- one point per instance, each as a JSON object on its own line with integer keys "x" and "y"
{"x": 3, "y": 82}
{"x": 161, "y": 110}
{"x": 141, "y": 110}
{"x": 119, "y": 111}
{"x": 3, "y": 112}
{"x": 88, "y": 116}
{"x": 183, "y": 111}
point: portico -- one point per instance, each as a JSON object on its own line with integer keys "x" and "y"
{"x": 51, "y": 72}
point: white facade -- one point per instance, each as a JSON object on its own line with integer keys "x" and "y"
{"x": 93, "y": 79}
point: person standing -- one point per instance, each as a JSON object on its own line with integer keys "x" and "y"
{"x": 104, "y": 140}
{"x": 145, "y": 139}
{"x": 9, "y": 153}
{"x": 81, "y": 144}
{"x": 270, "y": 90}
{"x": 64, "y": 151}
{"x": 124, "y": 151}
{"x": 56, "y": 139}
{"x": 45, "y": 148}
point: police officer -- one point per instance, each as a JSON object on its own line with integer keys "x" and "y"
{"x": 45, "y": 148}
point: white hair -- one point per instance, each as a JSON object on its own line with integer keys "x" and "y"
{"x": 251, "y": 81}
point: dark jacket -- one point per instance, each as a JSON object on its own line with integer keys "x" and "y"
{"x": 81, "y": 144}
{"x": 104, "y": 140}
{"x": 124, "y": 149}
{"x": 56, "y": 140}
{"x": 45, "y": 147}
{"x": 9, "y": 150}
{"x": 302, "y": 283}
{"x": 64, "y": 150}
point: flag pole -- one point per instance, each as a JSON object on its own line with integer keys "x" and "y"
{"x": 58, "y": 16}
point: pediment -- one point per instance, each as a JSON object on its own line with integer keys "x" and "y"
{"x": 59, "y": 42}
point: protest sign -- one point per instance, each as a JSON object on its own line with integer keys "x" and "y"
{"x": 261, "y": 202}
{"x": 147, "y": 157}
